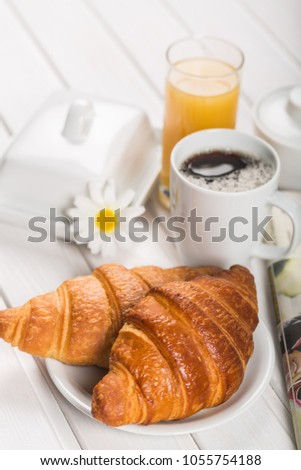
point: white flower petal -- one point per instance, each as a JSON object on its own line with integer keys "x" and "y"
{"x": 126, "y": 245}
{"x": 109, "y": 248}
{"x": 85, "y": 223}
{"x": 95, "y": 191}
{"x": 109, "y": 193}
{"x": 95, "y": 245}
{"x": 75, "y": 212}
{"x": 123, "y": 237}
{"x": 120, "y": 236}
{"x": 131, "y": 212}
{"x": 86, "y": 234}
{"x": 125, "y": 199}
{"x": 78, "y": 242}
{"x": 81, "y": 236}
{"x": 85, "y": 205}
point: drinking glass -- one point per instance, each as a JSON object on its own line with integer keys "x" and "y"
{"x": 202, "y": 90}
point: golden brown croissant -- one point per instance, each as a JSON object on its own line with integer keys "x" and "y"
{"x": 184, "y": 347}
{"x": 78, "y": 323}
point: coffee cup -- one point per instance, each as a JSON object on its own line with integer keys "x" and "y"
{"x": 226, "y": 227}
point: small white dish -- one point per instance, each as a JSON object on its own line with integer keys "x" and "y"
{"x": 277, "y": 119}
{"x": 76, "y": 385}
{"x": 76, "y": 138}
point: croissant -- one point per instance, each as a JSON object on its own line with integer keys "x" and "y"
{"x": 183, "y": 347}
{"x": 78, "y": 323}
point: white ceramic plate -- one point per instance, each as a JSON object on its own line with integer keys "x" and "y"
{"x": 76, "y": 384}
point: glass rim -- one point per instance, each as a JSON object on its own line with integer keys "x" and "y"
{"x": 201, "y": 38}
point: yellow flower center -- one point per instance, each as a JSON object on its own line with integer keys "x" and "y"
{"x": 106, "y": 220}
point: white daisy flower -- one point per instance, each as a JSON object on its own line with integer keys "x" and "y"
{"x": 102, "y": 220}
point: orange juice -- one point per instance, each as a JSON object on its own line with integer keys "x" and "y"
{"x": 201, "y": 93}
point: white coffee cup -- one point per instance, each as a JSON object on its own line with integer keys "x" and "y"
{"x": 230, "y": 229}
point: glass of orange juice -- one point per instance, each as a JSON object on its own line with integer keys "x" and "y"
{"x": 202, "y": 90}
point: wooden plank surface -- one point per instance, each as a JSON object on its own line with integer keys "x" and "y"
{"x": 149, "y": 52}
{"x": 264, "y": 426}
{"x": 35, "y": 420}
{"x": 5, "y": 136}
{"x": 282, "y": 19}
{"x": 26, "y": 77}
{"x": 153, "y": 25}
{"x": 87, "y": 56}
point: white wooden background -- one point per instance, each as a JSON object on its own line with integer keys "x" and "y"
{"x": 116, "y": 48}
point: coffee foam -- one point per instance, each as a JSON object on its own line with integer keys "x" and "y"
{"x": 256, "y": 173}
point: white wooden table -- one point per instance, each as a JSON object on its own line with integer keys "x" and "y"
{"x": 116, "y": 48}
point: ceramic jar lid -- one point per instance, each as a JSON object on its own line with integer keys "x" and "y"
{"x": 278, "y": 115}
{"x": 73, "y": 140}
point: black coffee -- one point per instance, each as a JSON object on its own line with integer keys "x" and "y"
{"x": 227, "y": 171}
